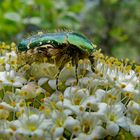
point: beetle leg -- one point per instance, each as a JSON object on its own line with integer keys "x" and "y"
{"x": 57, "y": 78}
{"x": 63, "y": 60}
{"x": 92, "y": 63}
{"x": 75, "y": 62}
{"x": 76, "y": 72}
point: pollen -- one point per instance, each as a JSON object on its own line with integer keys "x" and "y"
{"x": 114, "y": 98}
{"x": 117, "y": 63}
{"x": 42, "y": 108}
{"x": 26, "y": 67}
{"x": 115, "y": 78}
{"x": 40, "y": 33}
{"x": 18, "y": 114}
{"x": 137, "y": 121}
{"x": 137, "y": 69}
{"x": 98, "y": 55}
{"x": 60, "y": 83}
{"x": 89, "y": 104}
{"x": 24, "y": 93}
{"x": 61, "y": 138}
{"x": 32, "y": 78}
{"x": 80, "y": 61}
{"x": 13, "y": 45}
{"x": 47, "y": 94}
{"x": 47, "y": 111}
{"x": 112, "y": 117}
{"x": 40, "y": 43}
{"x": 13, "y": 104}
{"x": 32, "y": 127}
{"x": 13, "y": 127}
{"x": 8, "y": 92}
{"x": 53, "y": 57}
{"x": 94, "y": 46}
{"x": 81, "y": 108}
{"x": 1, "y": 107}
{"x": 12, "y": 80}
{"x": 123, "y": 85}
{"x": 22, "y": 104}
{"x": 61, "y": 97}
{"x": 76, "y": 129}
{"x": 129, "y": 95}
{"x": 69, "y": 66}
{"x": 110, "y": 96}
{"x": 86, "y": 126}
{"x": 45, "y": 59}
{"x": 77, "y": 101}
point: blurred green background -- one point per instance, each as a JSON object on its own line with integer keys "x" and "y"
{"x": 113, "y": 25}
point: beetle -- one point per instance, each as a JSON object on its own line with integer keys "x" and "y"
{"x": 64, "y": 47}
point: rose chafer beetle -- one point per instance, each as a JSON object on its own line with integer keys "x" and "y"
{"x": 64, "y": 47}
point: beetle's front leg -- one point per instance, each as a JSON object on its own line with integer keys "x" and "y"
{"x": 57, "y": 78}
{"x": 91, "y": 58}
{"x": 60, "y": 64}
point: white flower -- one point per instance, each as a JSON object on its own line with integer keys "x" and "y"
{"x": 5, "y": 110}
{"x": 126, "y": 82}
{"x": 133, "y": 107}
{"x": 52, "y": 84}
{"x": 6, "y": 106}
{"x": 133, "y": 118}
{"x": 7, "y": 67}
{"x": 58, "y": 119}
{"x": 33, "y": 125}
{"x": 134, "y": 123}
{"x": 126, "y": 87}
{"x": 57, "y": 132}
{"x": 71, "y": 124}
{"x": 90, "y": 127}
{"x": 10, "y": 78}
{"x": 114, "y": 118}
{"x": 6, "y": 132}
{"x": 41, "y": 81}
{"x": 98, "y": 133}
{"x": 31, "y": 90}
{"x": 135, "y": 130}
{"x": 10, "y": 56}
{"x": 102, "y": 103}
{"x": 44, "y": 70}
{"x": 74, "y": 97}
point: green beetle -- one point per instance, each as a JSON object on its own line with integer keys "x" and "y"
{"x": 65, "y": 47}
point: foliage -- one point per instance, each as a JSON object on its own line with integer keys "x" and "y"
{"x": 111, "y": 24}
{"x": 115, "y": 27}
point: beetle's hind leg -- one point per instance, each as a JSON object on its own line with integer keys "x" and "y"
{"x": 75, "y": 63}
{"x": 61, "y": 63}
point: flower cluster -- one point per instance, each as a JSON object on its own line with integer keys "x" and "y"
{"x": 104, "y": 104}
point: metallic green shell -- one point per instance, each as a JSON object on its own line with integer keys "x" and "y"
{"x": 80, "y": 41}
{"x": 57, "y": 40}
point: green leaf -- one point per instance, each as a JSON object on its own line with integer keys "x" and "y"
{"x": 13, "y": 16}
